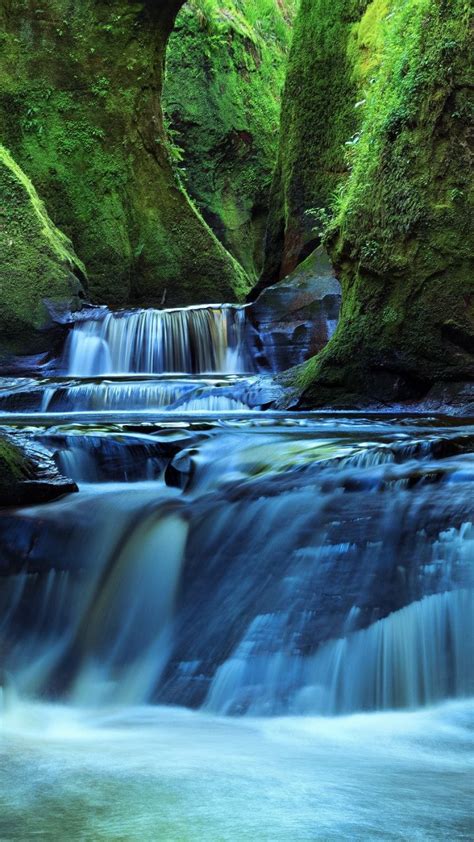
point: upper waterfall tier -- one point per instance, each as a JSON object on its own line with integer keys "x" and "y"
{"x": 195, "y": 340}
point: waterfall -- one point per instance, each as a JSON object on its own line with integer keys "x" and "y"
{"x": 248, "y": 570}
{"x": 238, "y": 561}
{"x": 192, "y": 340}
{"x": 185, "y": 395}
{"x": 416, "y": 656}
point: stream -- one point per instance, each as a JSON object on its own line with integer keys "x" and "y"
{"x": 248, "y": 623}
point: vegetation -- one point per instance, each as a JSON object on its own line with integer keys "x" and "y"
{"x": 399, "y": 233}
{"x": 226, "y": 65}
{"x": 39, "y": 270}
{"x": 80, "y": 112}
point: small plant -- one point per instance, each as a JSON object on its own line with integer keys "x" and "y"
{"x": 321, "y": 219}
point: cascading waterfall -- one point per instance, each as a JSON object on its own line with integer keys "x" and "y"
{"x": 192, "y": 360}
{"x": 282, "y": 570}
{"x": 186, "y": 394}
{"x": 193, "y": 340}
{"x": 254, "y": 569}
{"x": 417, "y": 656}
{"x": 257, "y": 564}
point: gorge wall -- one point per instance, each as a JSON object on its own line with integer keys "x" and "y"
{"x": 374, "y": 157}
{"x": 373, "y": 160}
{"x": 226, "y": 65}
{"x": 40, "y": 275}
{"x": 80, "y": 111}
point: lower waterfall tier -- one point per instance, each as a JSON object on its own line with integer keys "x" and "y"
{"x": 261, "y": 565}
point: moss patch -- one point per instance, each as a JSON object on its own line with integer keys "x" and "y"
{"x": 39, "y": 271}
{"x": 14, "y": 466}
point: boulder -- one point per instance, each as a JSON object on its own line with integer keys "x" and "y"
{"x": 28, "y": 474}
{"x": 296, "y": 317}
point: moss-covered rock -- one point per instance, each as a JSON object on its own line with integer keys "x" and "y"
{"x": 399, "y": 236}
{"x": 226, "y": 64}
{"x": 29, "y": 476}
{"x": 80, "y": 111}
{"x": 318, "y": 118}
{"x": 39, "y": 272}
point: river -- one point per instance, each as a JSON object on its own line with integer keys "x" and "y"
{"x": 248, "y": 623}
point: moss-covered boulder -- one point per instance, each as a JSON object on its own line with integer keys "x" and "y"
{"x": 80, "y": 110}
{"x": 399, "y": 237}
{"x": 29, "y": 475}
{"x": 226, "y": 65}
{"x": 39, "y": 272}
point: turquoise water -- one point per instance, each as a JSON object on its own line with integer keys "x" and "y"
{"x": 179, "y": 776}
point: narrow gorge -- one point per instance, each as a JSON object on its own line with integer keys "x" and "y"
{"x": 236, "y": 421}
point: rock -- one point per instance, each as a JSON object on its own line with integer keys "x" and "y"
{"x": 384, "y": 177}
{"x": 81, "y": 112}
{"x": 296, "y": 317}
{"x": 225, "y": 68}
{"x": 28, "y": 474}
{"x": 40, "y": 275}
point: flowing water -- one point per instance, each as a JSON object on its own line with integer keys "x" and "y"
{"x": 247, "y": 624}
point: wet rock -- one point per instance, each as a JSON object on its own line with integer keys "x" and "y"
{"x": 295, "y": 318}
{"x": 28, "y": 474}
{"x": 456, "y": 398}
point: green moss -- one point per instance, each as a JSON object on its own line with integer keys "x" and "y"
{"x": 225, "y": 72}
{"x": 14, "y": 466}
{"x": 38, "y": 268}
{"x": 80, "y": 110}
{"x": 319, "y": 117}
{"x": 366, "y": 43}
{"x": 400, "y": 237}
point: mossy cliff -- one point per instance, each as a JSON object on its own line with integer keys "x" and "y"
{"x": 399, "y": 235}
{"x": 226, "y": 64}
{"x": 318, "y": 117}
{"x": 39, "y": 272}
{"x": 80, "y": 111}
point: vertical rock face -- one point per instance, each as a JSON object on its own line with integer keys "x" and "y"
{"x": 39, "y": 272}
{"x": 80, "y": 111}
{"x": 226, "y": 64}
{"x": 318, "y": 117}
{"x": 399, "y": 231}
